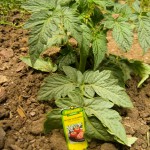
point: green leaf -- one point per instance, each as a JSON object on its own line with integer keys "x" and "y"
{"x": 55, "y": 86}
{"x": 143, "y": 26}
{"x": 109, "y": 22}
{"x": 107, "y": 87}
{"x": 111, "y": 120}
{"x": 99, "y": 47}
{"x": 100, "y": 108}
{"x": 53, "y": 120}
{"x": 131, "y": 140}
{"x": 73, "y": 74}
{"x": 123, "y": 10}
{"x": 96, "y": 130}
{"x": 40, "y": 64}
{"x": 86, "y": 39}
{"x": 122, "y": 33}
{"x": 72, "y": 23}
{"x": 66, "y": 59}
{"x": 103, "y": 3}
{"x": 44, "y": 25}
{"x": 136, "y": 6}
{"x": 141, "y": 69}
{"x": 34, "y": 5}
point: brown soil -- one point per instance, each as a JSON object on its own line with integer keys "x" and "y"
{"x": 22, "y": 116}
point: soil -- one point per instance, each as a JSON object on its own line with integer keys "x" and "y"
{"x": 22, "y": 116}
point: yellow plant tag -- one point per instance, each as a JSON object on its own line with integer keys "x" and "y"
{"x": 73, "y": 124}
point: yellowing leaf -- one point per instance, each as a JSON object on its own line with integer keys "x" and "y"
{"x": 40, "y": 64}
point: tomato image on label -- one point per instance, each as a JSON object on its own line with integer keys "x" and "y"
{"x": 80, "y": 136}
{"x": 77, "y": 129}
{"x": 76, "y": 133}
{"x": 73, "y": 134}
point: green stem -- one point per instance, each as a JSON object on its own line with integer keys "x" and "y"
{"x": 83, "y": 59}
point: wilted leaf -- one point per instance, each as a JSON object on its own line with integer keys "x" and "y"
{"x": 40, "y": 64}
{"x": 141, "y": 69}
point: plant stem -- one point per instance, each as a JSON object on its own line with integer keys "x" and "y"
{"x": 83, "y": 59}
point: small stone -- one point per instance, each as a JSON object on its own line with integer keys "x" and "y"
{"x": 2, "y": 94}
{"x": 7, "y": 53}
{"x": 133, "y": 113}
{"x": 15, "y": 147}
{"x": 108, "y": 146}
{"x": 144, "y": 129}
{"x": 2, "y": 137}
{"x": 6, "y": 124}
{"x": 24, "y": 49}
{"x": 3, "y": 79}
{"x": 20, "y": 67}
{"x": 36, "y": 127}
{"x": 32, "y": 113}
{"x": 55, "y": 144}
{"x": 9, "y": 141}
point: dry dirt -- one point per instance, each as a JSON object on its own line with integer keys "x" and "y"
{"x": 22, "y": 116}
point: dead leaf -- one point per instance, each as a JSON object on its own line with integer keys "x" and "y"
{"x": 21, "y": 112}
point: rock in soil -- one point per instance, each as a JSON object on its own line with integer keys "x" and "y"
{"x": 2, "y": 137}
{"x": 15, "y": 147}
{"x": 3, "y": 79}
{"x": 58, "y": 141}
{"x": 108, "y": 146}
{"x": 2, "y": 94}
{"x": 36, "y": 127}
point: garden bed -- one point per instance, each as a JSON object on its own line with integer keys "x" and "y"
{"x": 22, "y": 116}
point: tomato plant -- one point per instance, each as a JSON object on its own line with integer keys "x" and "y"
{"x": 94, "y": 82}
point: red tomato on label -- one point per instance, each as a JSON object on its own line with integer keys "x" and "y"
{"x": 73, "y": 134}
{"x": 80, "y": 136}
{"x": 77, "y": 129}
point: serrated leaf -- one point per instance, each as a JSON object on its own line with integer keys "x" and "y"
{"x": 136, "y": 6}
{"x": 53, "y": 120}
{"x": 143, "y": 26}
{"x": 96, "y": 130}
{"x": 55, "y": 86}
{"x": 86, "y": 40}
{"x": 122, "y": 33}
{"x": 40, "y": 64}
{"x": 83, "y": 5}
{"x": 72, "y": 23}
{"x": 123, "y": 10}
{"x": 34, "y": 5}
{"x": 99, "y": 48}
{"x": 107, "y": 87}
{"x": 103, "y": 3}
{"x": 44, "y": 25}
{"x": 109, "y": 22}
{"x": 73, "y": 74}
{"x": 100, "y": 108}
{"x": 110, "y": 119}
{"x": 66, "y": 60}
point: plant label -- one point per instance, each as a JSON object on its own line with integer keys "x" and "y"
{"x": 73, "y": 124}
